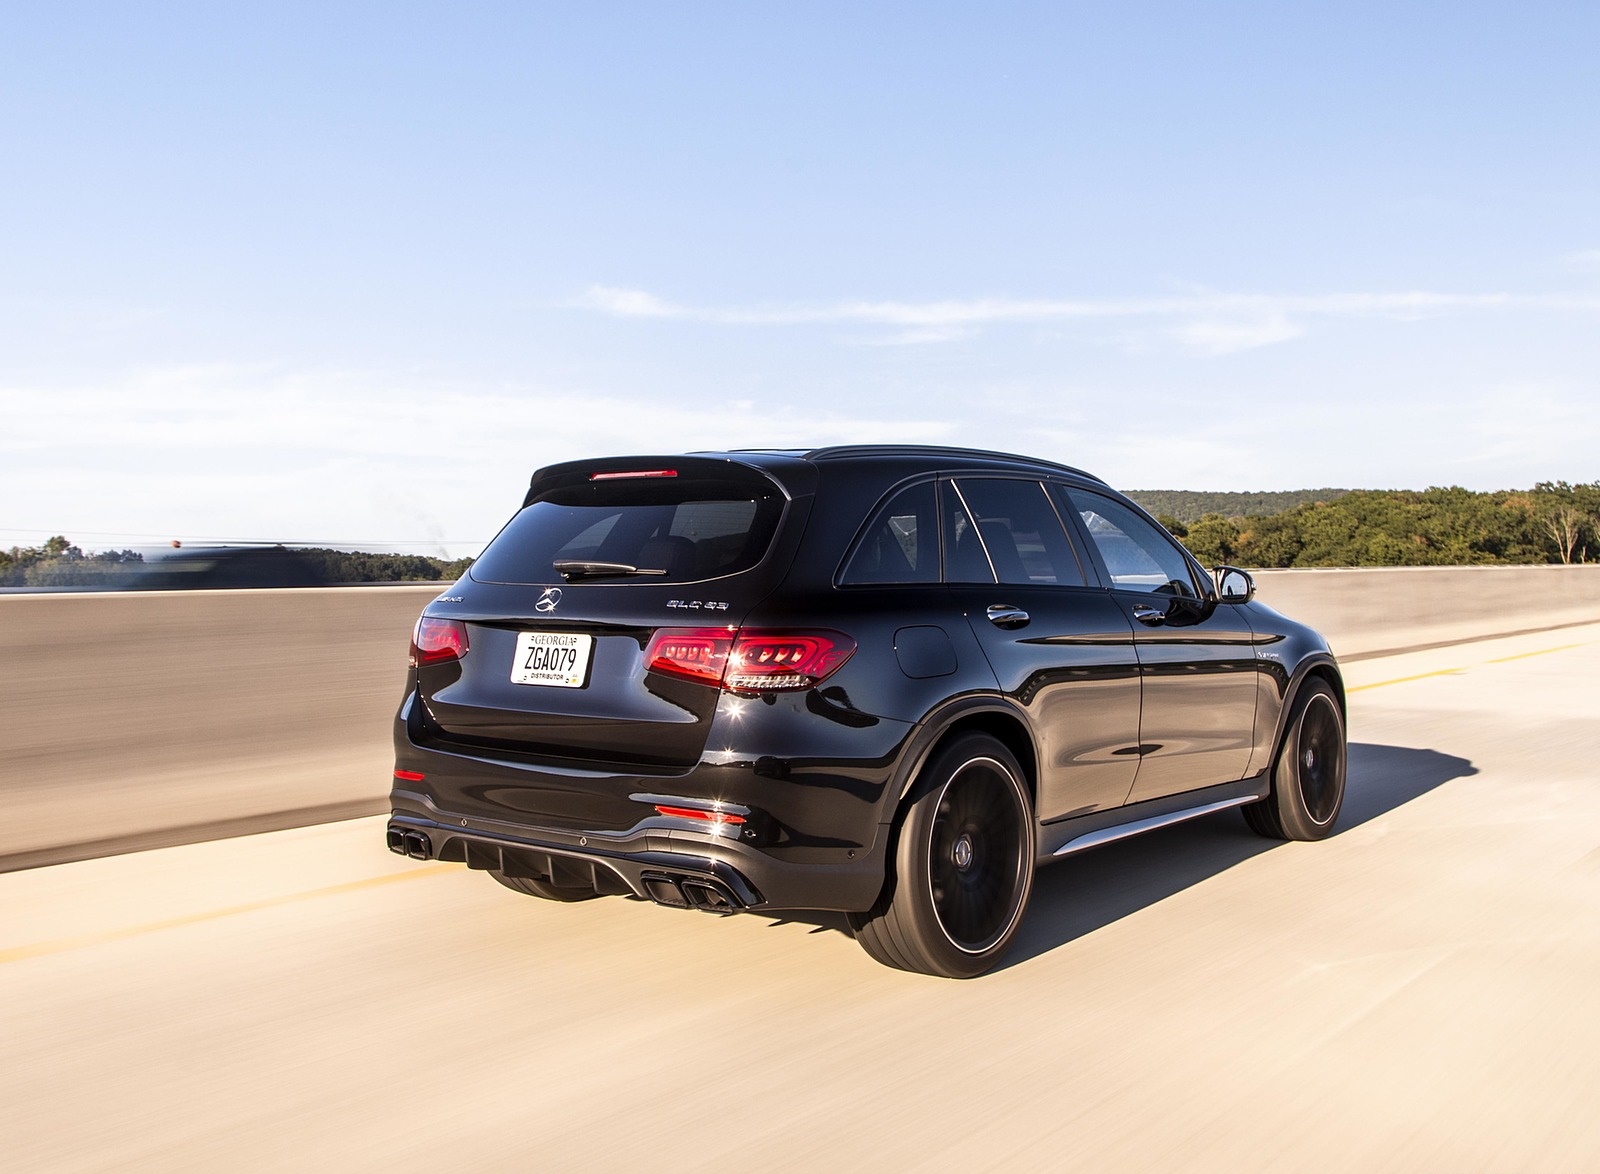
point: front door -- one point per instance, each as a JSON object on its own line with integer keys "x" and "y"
{"x": 1196, "y": 656}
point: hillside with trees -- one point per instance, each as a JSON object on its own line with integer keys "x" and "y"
{"x": 58, "y": 563}
{"x": 1187, "y": 505}
{"x": 359, "y": 566}
{"x": 1554, "y": 522}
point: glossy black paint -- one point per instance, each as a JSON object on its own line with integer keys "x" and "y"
{"x": 1110, "y": 716}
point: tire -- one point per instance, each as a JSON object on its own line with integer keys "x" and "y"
{"x": 1308, "y": 779}
{"x": 963, "y": 865}
{"x": 543, "y": 888}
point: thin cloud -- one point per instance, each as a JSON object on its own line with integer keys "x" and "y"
{"x": 921, "y": 336}
{"x": 1583, "y": 261}
{"x": 1211, "y": 321}
{"x": 627, "y": 303}
{"x": 330, "y": 456}
{"x": 1224, "y": 338}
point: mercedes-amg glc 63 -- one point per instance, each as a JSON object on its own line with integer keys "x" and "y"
{"x": 888, "y": 681}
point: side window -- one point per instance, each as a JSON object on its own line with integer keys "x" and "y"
{"x": 965, "y": 560}
{"x": 1021, "y": 531}
{"x": 1138, "y": 556}
{"x": 901, "y": 543}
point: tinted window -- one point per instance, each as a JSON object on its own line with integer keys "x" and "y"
{"x": 965, "y": 560}
{"x": 693, "y": 530}
{"x": 1021, "y": 531}
{"x": 1138, "y": 556}
{"x": 901, "y": 543}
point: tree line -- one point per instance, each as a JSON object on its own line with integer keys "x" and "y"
{"x": 1554, "y": 522}
{"x": 1189, "y": 505}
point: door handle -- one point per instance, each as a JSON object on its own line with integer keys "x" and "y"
{"x": 1149, "y": 616}
{"x": 1003, "y": 615}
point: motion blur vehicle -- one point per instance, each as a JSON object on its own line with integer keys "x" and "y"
{"x": 887, "y": 681}
{"x": 229, "y": 567}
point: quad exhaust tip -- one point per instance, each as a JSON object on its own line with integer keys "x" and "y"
{"x": 707, "y": 894}
{"x": 690, "y": 892}
{"x": 412, "y": 844}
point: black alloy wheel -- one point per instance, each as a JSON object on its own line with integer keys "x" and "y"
{"x": 1309, "y": 778}
{"x": 963, "y": 865}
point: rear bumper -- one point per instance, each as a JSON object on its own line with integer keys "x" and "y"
{"x": 664, "y": 877}
{"x": 811, "y": 834}
{"x": 672, "y": 867}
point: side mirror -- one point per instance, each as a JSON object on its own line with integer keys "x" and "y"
{"x": 1234, "y": 585}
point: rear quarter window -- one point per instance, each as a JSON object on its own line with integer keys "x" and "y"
{"x": 901, "y": 542}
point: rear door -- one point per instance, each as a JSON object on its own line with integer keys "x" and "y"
{"x": 1060, "y": 648}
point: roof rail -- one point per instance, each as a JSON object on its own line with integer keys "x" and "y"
{"x": 939, "y": 450}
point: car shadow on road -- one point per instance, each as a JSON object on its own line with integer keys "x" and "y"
{"x": 1093, "y": 889}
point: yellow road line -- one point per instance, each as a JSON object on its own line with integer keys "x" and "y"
{"x": 61, "y": 945}
{"x": 1463, "y": 668}
{"x": 1403, "y": 680}
{"x": 1540, "y": 652}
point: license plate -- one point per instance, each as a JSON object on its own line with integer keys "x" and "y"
{"x": 560, "y": 659}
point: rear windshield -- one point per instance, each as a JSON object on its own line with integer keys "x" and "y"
{"x": 686, "y": 530}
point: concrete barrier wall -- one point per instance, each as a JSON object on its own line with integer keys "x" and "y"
{"x": 132, "y": 720}
{"x": 1374, "y": 609}
{"x": 142, "y": 718}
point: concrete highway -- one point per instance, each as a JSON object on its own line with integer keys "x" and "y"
{"x": 1416, "y": 993}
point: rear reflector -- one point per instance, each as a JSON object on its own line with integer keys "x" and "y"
{"x": 410, "y": 776}
{"x": 718, "y": 817}
{"x": 436, "y": 640}
{"x": 625, "y": 476}
{"x": 754, "y": 660}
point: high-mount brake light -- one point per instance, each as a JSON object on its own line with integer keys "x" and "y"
{"x": 624, "y": 476}
{"x": 436, "y": 640}
{"x": 751, "y": 660}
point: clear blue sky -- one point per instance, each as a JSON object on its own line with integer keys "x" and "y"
{"x": 348, "y": 273}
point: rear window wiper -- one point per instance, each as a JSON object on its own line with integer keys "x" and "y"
{"x": 571, "y": 569}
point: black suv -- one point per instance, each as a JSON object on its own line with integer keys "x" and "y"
{"x": 882, "y": 680}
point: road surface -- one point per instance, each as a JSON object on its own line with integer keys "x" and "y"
{"x": 1417, "y": 993}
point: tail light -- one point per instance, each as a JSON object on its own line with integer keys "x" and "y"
{"x": 435, "y": 641}
{"x": 785, "y": 660}
{"x": 751, "y": 660}
{"x": 694, "y": 654}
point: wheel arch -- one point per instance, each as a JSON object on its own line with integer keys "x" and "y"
{"x": 980, "y": 715}
{"x": 1317, "y": 667}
